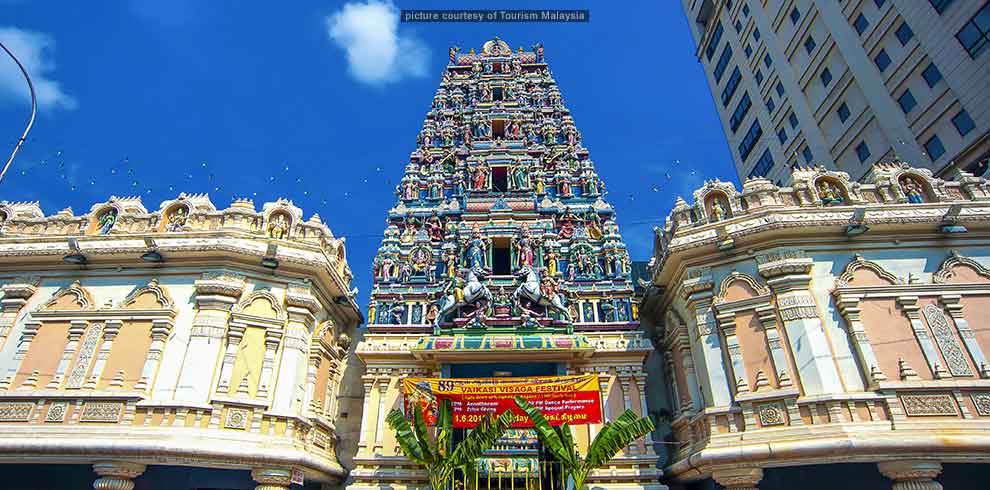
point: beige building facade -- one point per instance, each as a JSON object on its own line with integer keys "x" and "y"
{"x": 847, "y": 84}
{"x": 834, "y": 327}
{"x": 146, "y": 343}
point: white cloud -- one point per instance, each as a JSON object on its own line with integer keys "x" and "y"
{"x": 377, "y": 53}
{"x": 34, "y": 50}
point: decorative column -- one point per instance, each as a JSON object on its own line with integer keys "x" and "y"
{"x": 603, "y": 386}
{"x": 216, "y": 293}
{"x": 738, "y": 478}
{"x": 116, "y": 475}
{"x": 110, "y": 332}
{"x": 272, "y": 478}
{"x": 272, "y": 339}
{"x": 789, "y": 277}
{"x": 380, "y": 416}
{"x": 235, "y": 333}
{"x": 912, "y": 475}
{"x": 953, "y": 304}
{"x": 644, "y": 412}
{"x": 850, "y": 310}
{"x": 625, "y": 382}
{"x": 312, "y": 368}
{"x": 909, "y": 304}
{"x": 27, "y": 336}
{"x": 696, "y": 289}
{"x": 727, "y": 324}
{"x": 160, "y": 330}
{"x": 76, "y": 330}
{"x": 369, "y": 384}
{"x": 768, "y": 319}
{"x": 302, "y": 307}
{"x": 15, "y": 296}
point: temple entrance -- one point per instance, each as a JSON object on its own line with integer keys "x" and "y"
{"x": 501, "y": 258}
{"x": 518, "y": 461}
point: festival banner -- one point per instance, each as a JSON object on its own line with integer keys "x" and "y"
{"x": 575, "y": 400}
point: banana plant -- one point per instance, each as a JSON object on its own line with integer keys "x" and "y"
{"x": 436, "y": 454}
{"x": 612, "y": 437}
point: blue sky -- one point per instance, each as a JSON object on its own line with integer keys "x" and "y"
{"x": 320, "y": 102}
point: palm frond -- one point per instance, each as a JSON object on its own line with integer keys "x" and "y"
{"x": 481, "y": 438}
{"x": 616, "y": 435}
{"x": 423, "y": 436}
{"x": 548, "y": 436}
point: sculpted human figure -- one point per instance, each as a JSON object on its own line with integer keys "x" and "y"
{"x": 912, "y": 191}
{"x": 177, "y": 219}
{"x": 279, "y": 226}
{"x": 107, "y": 220}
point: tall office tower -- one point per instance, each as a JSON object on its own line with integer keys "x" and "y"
{"x": 501, "y": 258}
{"x": 844, "y": 84}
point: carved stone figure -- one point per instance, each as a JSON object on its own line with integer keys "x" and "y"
{"x": 107, "y": 220}
{"x": 177, "y": 219}
{"x": 278, "y": 228}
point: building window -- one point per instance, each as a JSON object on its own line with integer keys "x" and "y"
{"x": 843, "y": 112}
{"x": 723, "y": 61}
{"x": 501, "y": 262}
{"x": 931, "y": 75}
{"x": 795, "y": 15}
{"x": 759, "y": 77}
{"x": 738, "y": 25}
{"x": 763, "y": 165}
{"x": 767, "y": 61}
{"x": 906, "y": 101}
{"x": 500, "y": 179}
{"x": 862, "y": 151}
{"x": 792, "y": 119}
{"x": 749, "y": 141}
{"x": 860, "y": 24}
{"x": 809, "y": 44}
{"x": 882, "y": 60}
{"x": 745, "y": 10}
{"x": 770, "y": 105}
{"x": 782, "y": 135}
{"x": 740, "y": 113}
{"x": 731, "y": 86}
{"x": 975, "y": 35}
{"x": 934, "y": 148}
{"x": 756, "y": 34}
{"x": 940, "y": 5}
{"x": 806, "y": 154}
{"x": 826, "y": 77}
{"x": 713, "y": 43}
{"x": 748, "y": 50}
{"x": 780, "y": 89}
{"x": 904, "y": 33}
{"x": 964, "y": 124}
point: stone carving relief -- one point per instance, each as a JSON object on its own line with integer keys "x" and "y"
{"x": 946, "y": 341}
{"x": 86, "y": 352}
{"x": 237, "y": 418}
{"x": 57, "y": 411}
{"x": 921, "y": 405}
{"x": 16, "y": 411}
{"x": 102, "y": 412}
{"x": 771, "y": 414}
{"x": 982, "y": 403}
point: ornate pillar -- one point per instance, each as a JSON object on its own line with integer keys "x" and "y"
{"x": 738, "y": 478}
{"x": 15, "y": 296}
{"x": 644, "y": 411}
{"x": 790, "y": 279}
{"x": 272, "y": 339}
{"x": 727, "y": 324}
{"x": 369, "y": 384}
{"x": 160, "y": 329}
{"x": 312, "y": 368}
{"x": 110, "y": 332}
{"x": 292, "y": 371}
{"x": 850, "y": 311}
{"x": 768, "y": 319}
{"x": 380, "y": 416}
{"x": 235, "y": 333}
{"x": 272, "y": 478}
{"x": 697, "y": 291}
{"x": 216, "y": 293}
{"x": 116, "y": 475}
{"x": 27, "y": 336}
{"x": 909, "y": 304}
{"x": 912, "y": 475}
{"x": 953, "y": 304}
{"x": 76, "y": 330}
{"x": 625, "y": 382}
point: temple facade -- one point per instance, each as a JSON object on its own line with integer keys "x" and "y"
{"x": 500, "y": 258}
{"x": 830, "y": 331}
{"x": 184, "y": 347}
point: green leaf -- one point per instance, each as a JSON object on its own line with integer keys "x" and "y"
{"x": 614, "y": 436}
{"x": 548, "y": 436}
{"x": 481, "y": 439}
{"x": 405, "y": 437}
{"x": 423, "y": 437}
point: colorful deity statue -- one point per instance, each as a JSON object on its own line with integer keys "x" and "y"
{"x": 410, "y": 189}
{"x": 479, "y": 177}
{"x": 524, "y": 249}
{"x": 177, "y": 219}
{"x": 567, "y": 224}
{"x": 476, "y": 250}
{"x": 434, "y": 227}
{"x": 718, "y": 212}
{"x": 409, "y": 233}
{"x": 550, "y": 260}
{"x": 593, "y": 225}
{"x": 829, "y": 193}
{"x": 520, "y": 176}
{"x": 384, "y": 267}
{"x": 564, "y": 186}
{"x": 452, "y": 54}
{"x": 912, "y": 190}
{"x": 106, "y": 222}
{"x": 278, "y": 228}
{"x": 458, "y": 184}
{"x": 436, "y": 188}
{"x": 450, "y": 262}
{"x": 540, "y": 186}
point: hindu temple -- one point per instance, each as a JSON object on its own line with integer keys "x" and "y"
{"x": 501, "y": 258}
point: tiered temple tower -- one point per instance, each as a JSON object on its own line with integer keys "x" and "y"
{"x": 500, "y": 258}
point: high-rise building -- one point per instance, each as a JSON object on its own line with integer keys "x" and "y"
{"x": 845, "y": 84}
{"x": 501, "y": 259}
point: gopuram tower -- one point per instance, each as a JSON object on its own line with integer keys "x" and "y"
{"x": 501, "y": 258}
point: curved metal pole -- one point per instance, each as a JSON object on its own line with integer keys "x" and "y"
{"x": 34, "y": 110}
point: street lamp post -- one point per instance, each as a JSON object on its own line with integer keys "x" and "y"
{"x": 34, "y": 110}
